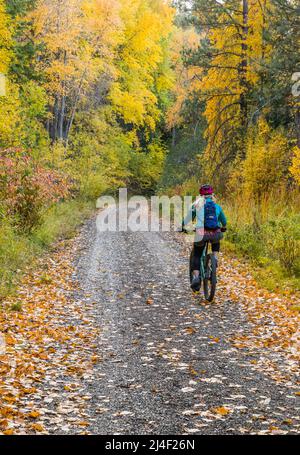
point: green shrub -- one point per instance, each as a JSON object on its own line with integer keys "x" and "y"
{"x": 282, "y": 240}
{"x": 61, "y": 221}
{"x": 15, "y": 252}
{"x": 269, "y": 234}
{"x": 146, "y": 167}
{"x": 246, "y": 238}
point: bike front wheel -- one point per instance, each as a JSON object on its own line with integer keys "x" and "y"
{"x": 210, "y": 279}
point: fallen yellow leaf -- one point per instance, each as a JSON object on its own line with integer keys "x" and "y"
{"x": 37, "y": 427}
{"x": 190, "y": 330}
{"x": 221, "y": 410}
{"x": 34, "y": 414}
{"x": 83, "y": 424}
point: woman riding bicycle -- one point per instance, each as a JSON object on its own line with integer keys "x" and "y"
{"x": 210, "y": 225}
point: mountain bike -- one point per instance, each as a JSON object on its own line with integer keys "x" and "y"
{"x": 208, "y": 272}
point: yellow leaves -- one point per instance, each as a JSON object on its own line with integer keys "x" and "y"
{"x": 225, "y": 80}
{"x": 95, "y": 359}
{"x": 9, "y": 340}
{"x": 123, "y": 40}
{"x": 265, "y": 159}
{"x": 215, "y": 339}
{"x": 192, "y": 371}
{"x": 272, "y": 428}
{"x": 11, "y": 399}
{"x": 145, "y": 25}
{"x": 42, "y": 355}
{"x": 78, "y": 39}
{"x": 34, "y": 414}
{"x": 5, "y": 39}
{"x": 221, "y": 410}
{"x": 186, "y": 79}
{"x": 295, "y": 167}
{"x": 3, "y": 424}
{"x": 45, "y": 279}
{"x": 68, "y": 388}
{"x": 37, "y": 427}
{"x": 102, "y": 19}
{"x": 28, "y": 391}
{"x": 258, "y": 46}
{"x": 10, "y": 115}
{"x": 37, "y": 341}
{"x": 8, "y": 432}
{"x": 190, "y": 330}
{"x": 83, "y": 424}
{"x": 137, "y": 105}
{"x": 7, "y": 412}
{"x": 273, "y": 321}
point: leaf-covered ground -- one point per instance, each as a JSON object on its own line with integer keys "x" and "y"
{"x": 110, "y": 340}
{"x": 47, "y": 351}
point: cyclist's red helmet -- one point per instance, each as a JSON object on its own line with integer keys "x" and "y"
{"x": 206, "y": 190}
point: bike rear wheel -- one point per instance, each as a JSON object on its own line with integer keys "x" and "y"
{"x": 210, "y": 280}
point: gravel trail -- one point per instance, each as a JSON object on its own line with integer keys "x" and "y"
{"x": 167, "y": 364}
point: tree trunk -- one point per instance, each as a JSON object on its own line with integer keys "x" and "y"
{"x": 73, "y": 109}
{"x": 173, "y": 136}
{"x": 54, "y": 123}
{"x": 61, "y": 118}
{"x": 63, "y": 104}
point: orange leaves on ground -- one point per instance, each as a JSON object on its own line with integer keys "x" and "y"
{"x": 50, "y": 337}
{"x": 37, "y": 427}
{"x": 190, "y": 330}
{"x": 8, "y": 432}
{"x": 192, "y": 371}
{"x": 34, "y": 414}
{"x": 215, "y": 339}
{"x": 274, "y": 324}
{"x": 83, "y": 424}
{"x": 221, "y": 410}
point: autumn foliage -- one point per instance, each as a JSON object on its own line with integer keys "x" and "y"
{"x": 28, "y": 188}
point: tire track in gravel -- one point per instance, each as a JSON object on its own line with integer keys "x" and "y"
{"x": 168, "y": 366}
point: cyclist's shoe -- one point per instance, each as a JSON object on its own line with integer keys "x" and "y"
{"x": 195, "y": 284}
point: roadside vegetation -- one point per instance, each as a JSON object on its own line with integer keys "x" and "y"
{"x": 19, "y": 250}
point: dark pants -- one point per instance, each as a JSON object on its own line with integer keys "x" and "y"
{"x": 212, "y": 237}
